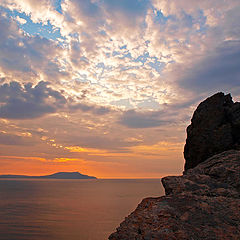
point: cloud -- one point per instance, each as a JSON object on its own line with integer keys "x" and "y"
{"x": 133, "y": 10}
{"x": 27, "y": 101}
{"x": 96, "y": 110}
{"x": 218, "y": 70}
{"x": 134, "y": 119}
{"x": 40, "y": 11}
{"x": 26, "y": 58}
{"x": 174, "y": 7}
{"x": 11, "y": 139}
{"x": 21, "y": 20}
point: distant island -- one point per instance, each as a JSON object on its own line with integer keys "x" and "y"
{"x": 59, "y": 175}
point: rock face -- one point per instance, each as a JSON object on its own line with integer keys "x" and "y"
{"x": 215, "y": 127}
{"x": 203, "y": 203}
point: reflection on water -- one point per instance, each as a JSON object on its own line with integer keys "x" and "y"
{"x": 68, "y": 209}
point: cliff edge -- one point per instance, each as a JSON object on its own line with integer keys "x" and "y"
{"x": 203, "y": 203}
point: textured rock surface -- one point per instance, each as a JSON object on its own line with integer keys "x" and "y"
{"x": 204, "y": 203}
{"x": 215, "y": 127}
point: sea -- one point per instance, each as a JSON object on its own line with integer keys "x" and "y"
{"x": 54, "y": 209}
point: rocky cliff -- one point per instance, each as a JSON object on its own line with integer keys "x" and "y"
{"x": 203, "y": 203}
{"x": 215, "y": 127}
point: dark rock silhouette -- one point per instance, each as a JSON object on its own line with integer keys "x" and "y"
{"x": 59, "y": 175}
{"x": 203, "y": 203}
{"x": 215, "y": 127}
{"x": 69, "y": 175}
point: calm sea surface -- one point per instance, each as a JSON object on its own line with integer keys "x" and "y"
{"x": 68, "y": 209}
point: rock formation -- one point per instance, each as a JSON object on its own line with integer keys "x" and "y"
{"x": 203, "y": 203}
{"x": 215, "y": 127}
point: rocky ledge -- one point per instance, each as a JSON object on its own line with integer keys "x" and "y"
{"x": 203, "y": 203}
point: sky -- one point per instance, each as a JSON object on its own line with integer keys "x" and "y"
{"x": 108, "y": 87}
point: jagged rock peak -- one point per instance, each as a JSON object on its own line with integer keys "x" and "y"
{"x": 214, "y": 128}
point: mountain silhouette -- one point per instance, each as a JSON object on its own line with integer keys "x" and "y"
{"x": 58, "y": 175}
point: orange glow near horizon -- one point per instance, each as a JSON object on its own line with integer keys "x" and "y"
{"x": 116, "y": 165}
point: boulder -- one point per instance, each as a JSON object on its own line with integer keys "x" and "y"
{"x": 215, "y": 127}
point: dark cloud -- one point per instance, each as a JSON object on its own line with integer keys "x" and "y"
{"x": 101, "y": 110}
{"x": 133, "y": 7}
{"x": 134, "y": 119}
{"x": 10, "y": 139}
{"x": 126, "y": 13}
{"x": 218, "y": 71}
{"x": 89, "y": 8}
{"x": 90, "y": 108}
{"x": 86, "y": 9}
{"x": 27, "y": 101}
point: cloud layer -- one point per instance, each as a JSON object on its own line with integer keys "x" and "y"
{"x": 22, "y": 102}
{"x": 117, "y": 79}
